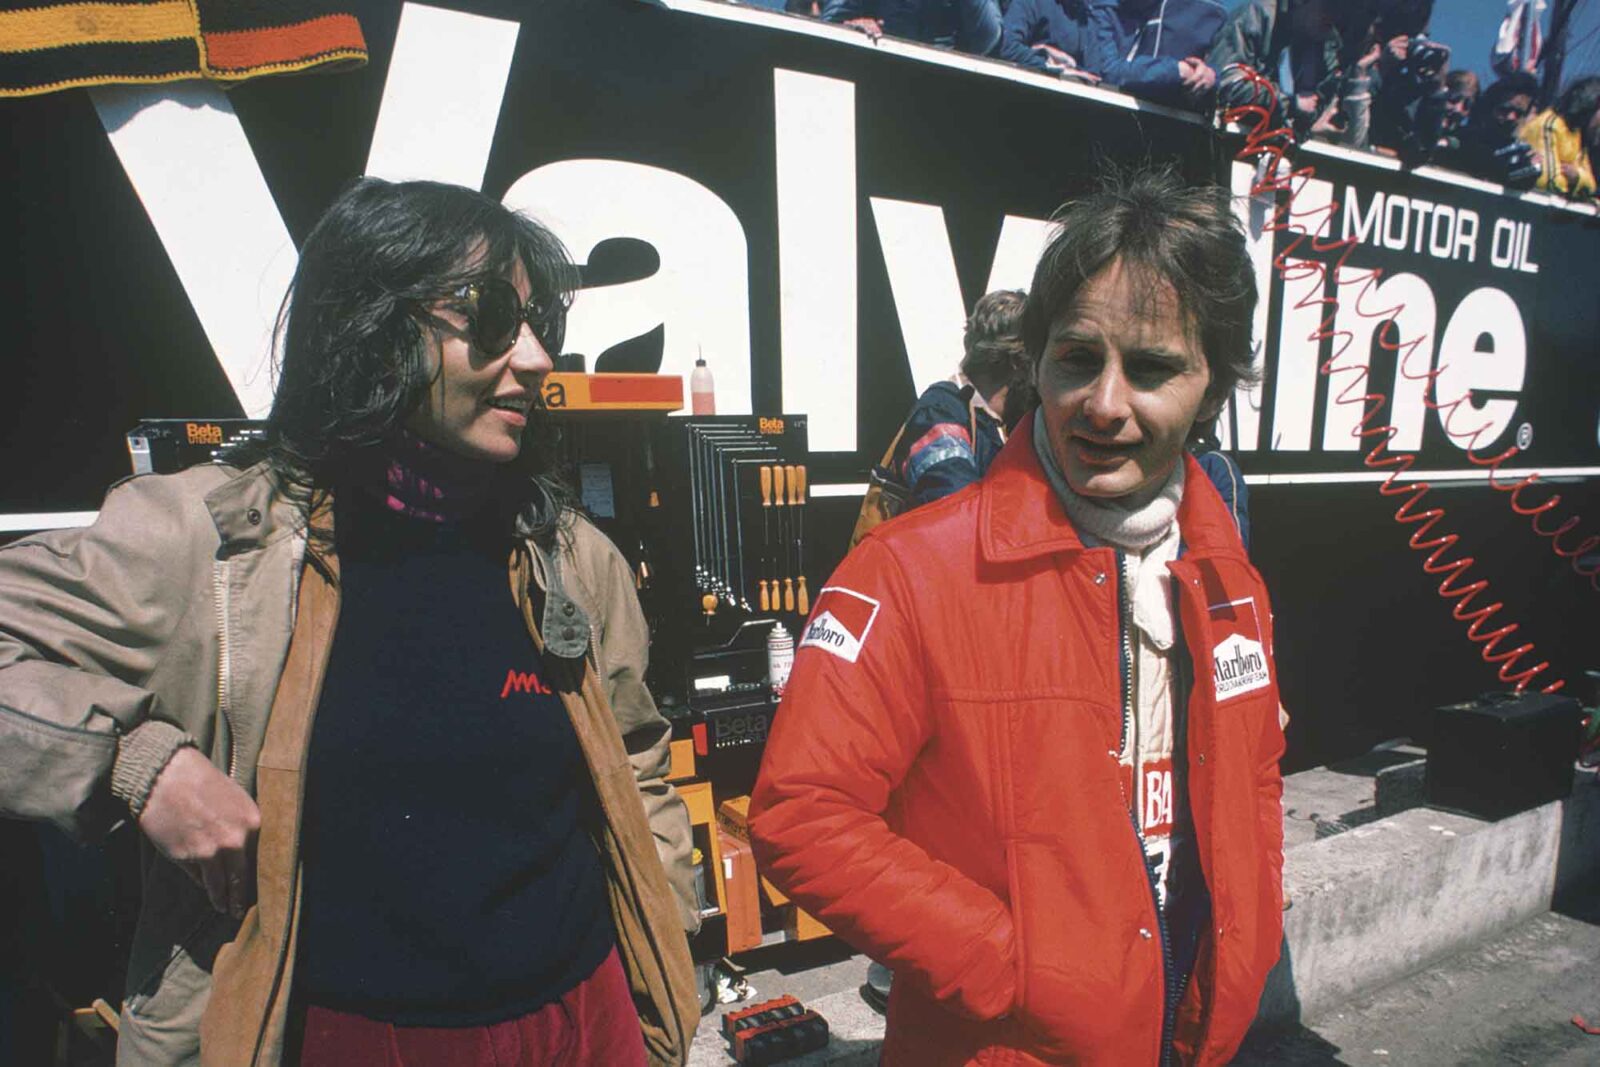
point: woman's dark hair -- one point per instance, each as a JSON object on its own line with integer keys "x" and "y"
{"x": 1518, "y": 83}
{"x": 1156, "y": 225}
{"x": 1577, "y": 103}
{"x": 355, "y": 343}
{"x": 993, "y": 341}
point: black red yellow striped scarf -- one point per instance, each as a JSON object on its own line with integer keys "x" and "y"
{"x": 47, "y": 46}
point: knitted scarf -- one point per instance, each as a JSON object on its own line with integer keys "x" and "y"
{"x": 1145, "y": 527}
{"x": 427, "y": 482}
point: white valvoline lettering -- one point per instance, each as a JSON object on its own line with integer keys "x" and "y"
{"x": 700, "y": 293}
{"x": 701, "y": 296}
{"x": 1465, "y": 365}
{"x": 1414, "y": 323}
{"x": 1466, "y": 369}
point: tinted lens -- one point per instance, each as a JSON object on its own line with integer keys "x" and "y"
{"x": 497, "y": 317}
{"x": 548, "y": 317}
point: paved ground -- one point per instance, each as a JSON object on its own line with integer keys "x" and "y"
{"x": 1510, "y": 1001}
{"x": 1507, "y": 1002}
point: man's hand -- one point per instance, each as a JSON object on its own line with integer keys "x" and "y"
{"x": 1197, "y": 76}
{"x": 1330, "y": 124}
{"x": 1055, "y": 58}
{"x": 1370, "y": 57}
{"x": 204, "y": 822}
{"x": 1398, "y": 48}
{"x": 873, "y": 28}
{"x": 1570, "y": 173}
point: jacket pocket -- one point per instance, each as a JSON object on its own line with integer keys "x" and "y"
{"x": 161, "y": 1017}
{"x": 1079, "y": 972}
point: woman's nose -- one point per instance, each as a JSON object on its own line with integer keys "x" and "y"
{"x": 528, "y": 355}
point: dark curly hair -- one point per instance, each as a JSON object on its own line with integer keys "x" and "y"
{"x": 1577, "y": 102}
{"x": 355, "y": 344}
{"x": 1156, "y": 225}
{"x": 993, "y": 339}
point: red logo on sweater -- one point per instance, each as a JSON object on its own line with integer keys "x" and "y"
{"x": 524, "y": 682}
{"x": 840, "y": 622}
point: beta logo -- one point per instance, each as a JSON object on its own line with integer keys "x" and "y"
{"x": 203, "y": 433}
{"x": 1239, "y": 659}
{"x": 840, "y": 621}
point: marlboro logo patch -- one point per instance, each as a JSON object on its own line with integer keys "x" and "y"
{"x": 1238, "y": 660}
{"x": 840, "y": 621}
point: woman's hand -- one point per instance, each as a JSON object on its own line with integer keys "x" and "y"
{"x": 203, "y": 821}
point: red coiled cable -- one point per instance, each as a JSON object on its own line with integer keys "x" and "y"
{"x": 1267, "y": 144}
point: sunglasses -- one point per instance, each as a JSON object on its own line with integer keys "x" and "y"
{"x": 495, "y": 314}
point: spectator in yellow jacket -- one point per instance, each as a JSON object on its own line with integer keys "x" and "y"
{"x": 1564, "y": 137}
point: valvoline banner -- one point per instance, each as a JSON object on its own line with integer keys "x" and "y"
{"x": 810, "y": 212}
{"x": 813, "y": 214}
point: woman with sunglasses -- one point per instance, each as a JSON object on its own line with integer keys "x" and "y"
{"x": 372, "y": 695}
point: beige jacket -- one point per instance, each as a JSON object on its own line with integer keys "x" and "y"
{"x": 172, "y": 616}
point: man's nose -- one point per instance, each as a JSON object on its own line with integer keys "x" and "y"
{"x": 1108, "y": 397}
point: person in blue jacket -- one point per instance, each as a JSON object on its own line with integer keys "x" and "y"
{"x": 1155, "y": 49}
{"x": 971, "y": 26}
{"x": 1048, "y": 36}
{"x": 955, "y": 429}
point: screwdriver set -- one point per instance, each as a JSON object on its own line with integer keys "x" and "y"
{"x": 733, "y": 494}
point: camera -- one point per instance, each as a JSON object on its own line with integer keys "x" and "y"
{"x": 1515, "y": 166}
{"x": 1424, "y": 59}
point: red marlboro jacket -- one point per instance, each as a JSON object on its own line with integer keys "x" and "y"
{"x": 942, "y": 788}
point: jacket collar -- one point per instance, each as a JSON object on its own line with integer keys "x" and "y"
{"x": 1019, "y": 517}
{"x": 250, "y": 509}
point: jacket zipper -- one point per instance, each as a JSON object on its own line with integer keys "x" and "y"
{"x": 224, "y": 661}
{"x": 1125, "y": 644}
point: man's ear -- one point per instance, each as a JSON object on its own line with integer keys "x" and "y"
{"x": 1210, "y": 406}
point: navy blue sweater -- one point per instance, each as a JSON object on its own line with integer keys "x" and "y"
{"x": 1058, "y": 23}
{"x": 447, "y": 878}
{"x": 1135, "y": 45}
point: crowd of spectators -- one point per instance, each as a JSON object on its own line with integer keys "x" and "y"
{"x": 1361, "y": 73}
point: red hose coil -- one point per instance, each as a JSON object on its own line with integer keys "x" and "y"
{"x": 1265, "y": 143}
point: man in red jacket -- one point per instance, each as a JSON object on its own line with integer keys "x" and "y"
{"x": 1029, "y": 753}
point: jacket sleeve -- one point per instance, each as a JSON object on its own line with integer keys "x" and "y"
{"x": 622, "y": 647}
{"x": 846, "y": 735}
{"x": 842, "y": 10}
{"x": 1241, "y": 43}
{"x": 1018, "y": 34}
{"x": 1105, "y": 54}
{"x": 1269, "y": 790}
{"x": 84, "y": 618}
{"x": 940, "y": 456}
{"x": 1355, "y": 104}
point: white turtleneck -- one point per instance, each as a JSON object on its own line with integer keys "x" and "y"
{"x": 1145, "y": 531}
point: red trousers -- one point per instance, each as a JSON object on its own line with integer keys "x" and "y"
{"x": 593, "y": 1025}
